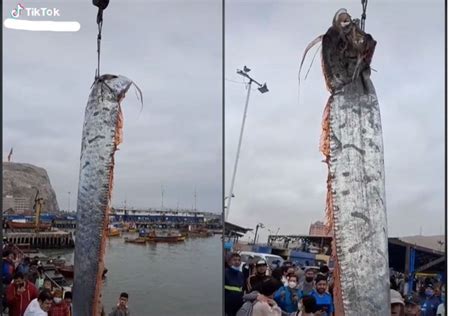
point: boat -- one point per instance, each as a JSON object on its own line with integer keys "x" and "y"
{"x": 67, "y": 271}
{"x": 58, "y": 278}
{"x": 28, "y": 226}
{"x": 138, "y": 240}
{"x": 200, "y": 232}
{"x": 113, "y": 232}
{"x": 165, "y": 236}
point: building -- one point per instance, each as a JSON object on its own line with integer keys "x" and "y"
{"x": 319, "y": 229}
{"x": 162, "y": 217}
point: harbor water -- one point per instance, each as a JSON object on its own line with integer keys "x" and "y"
{"x": 163, "y": 278}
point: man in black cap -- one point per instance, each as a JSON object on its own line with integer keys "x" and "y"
{"x": 412, "y": 306}
{"x": 255, "y": 281}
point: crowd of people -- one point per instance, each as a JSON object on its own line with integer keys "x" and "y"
{"x": 427, "y": 297}
{"x": 28, "y": 292}
{"x": 254, "y": 289}
{"x": 286, "y": 290}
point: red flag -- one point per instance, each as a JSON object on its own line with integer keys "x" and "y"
{"x": 10, "y": 154}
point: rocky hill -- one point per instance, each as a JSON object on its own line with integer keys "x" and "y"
{"x": 20, "y": 182}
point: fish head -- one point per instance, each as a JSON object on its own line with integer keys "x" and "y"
{"x": 118, "y": 85}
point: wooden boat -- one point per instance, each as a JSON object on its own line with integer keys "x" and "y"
{"x": 165, "y": 236}
{"x": 57, "y": 278}
{"x": 139, "y": 240}
{"x": 67, "y": 271}
{"x": 200, "y": 233}
{"x": 28, "y": 226}
{"x": 113, "y": 232}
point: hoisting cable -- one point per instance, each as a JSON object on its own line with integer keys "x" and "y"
{"x": 101, "y": 4}
{"x": 362, "y": 20}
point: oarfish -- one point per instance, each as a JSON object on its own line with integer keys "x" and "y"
{"x": 353, "y": 146}
{"x": 102, "y": 133}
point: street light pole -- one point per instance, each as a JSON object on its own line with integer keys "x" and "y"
{"x": 162, "y": 193}
{"x": 262, "y": 88}
{"x": 69, "y": 202}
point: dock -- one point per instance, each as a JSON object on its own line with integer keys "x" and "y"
{"x": 42, "y": 240}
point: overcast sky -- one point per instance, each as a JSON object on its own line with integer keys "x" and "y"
{"x": 281, "y": 180}
{"x": 171, "y": 49}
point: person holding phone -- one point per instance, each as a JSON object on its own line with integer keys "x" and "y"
{"x": 19, "y": 294}
{"x": 324, "y": 303}
{"x": 287, "y": 296}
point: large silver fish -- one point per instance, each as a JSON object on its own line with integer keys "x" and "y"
{"x": 102, "y": 133}
{"x": 353, "y": 146}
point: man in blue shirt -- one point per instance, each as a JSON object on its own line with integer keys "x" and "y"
{"x": 323, "y": 298}
{"x": 288, "y": 295}
{"x": 430, "y": 303}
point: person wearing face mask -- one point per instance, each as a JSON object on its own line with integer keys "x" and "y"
{"x": 287, "y": 296}
{"x": 307, "y": 284}
{"x": 59, "y": 307}
{"x": 430, "y": 304}
{"x": 233, "y": 285}
{"x": 255, "y": 281}
{"x": 287, "y": 270}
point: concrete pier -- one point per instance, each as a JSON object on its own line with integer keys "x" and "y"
{"x": 42, "y": 240}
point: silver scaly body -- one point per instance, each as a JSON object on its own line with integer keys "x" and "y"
{"x": 100, "y": 138}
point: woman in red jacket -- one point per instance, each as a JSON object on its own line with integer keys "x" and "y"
{"x": 19, "y": 294}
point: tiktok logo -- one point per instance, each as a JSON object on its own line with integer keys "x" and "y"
{"x": 17, "y": 12}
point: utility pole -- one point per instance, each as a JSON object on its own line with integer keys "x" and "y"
{"x": 262, "y": 88}
{"x": 69, "y": 202}
{"x": 162, "y": 193}
{"x": 195, "y": 205}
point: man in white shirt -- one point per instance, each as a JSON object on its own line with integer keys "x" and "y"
{"x": 41, "y": 305}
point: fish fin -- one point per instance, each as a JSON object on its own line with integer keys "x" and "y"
{"x": 310, "y": 45}
{"x": 138, "y": 91}
{"x": 310, "y": 65}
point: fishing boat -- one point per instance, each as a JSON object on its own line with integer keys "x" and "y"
{"x": 113, "y": 232}
{"x": 138, "y": 240}
{"x": 67, "y": 271}
{"x": 28, "y": 226}
{"x": 199, "y": 232}
{"x": 58, "y": 278}
{"x": 165, "y": 236}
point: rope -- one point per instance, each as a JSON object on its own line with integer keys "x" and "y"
{"x": 99, "y": 38}
{"x": 364, "y": 16}
{"x": 102, "y": 5}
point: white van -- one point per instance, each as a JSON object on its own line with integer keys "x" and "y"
{"x": 273, "y": 261}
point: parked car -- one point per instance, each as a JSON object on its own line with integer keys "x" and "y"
{"x": 273, "y": 261}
